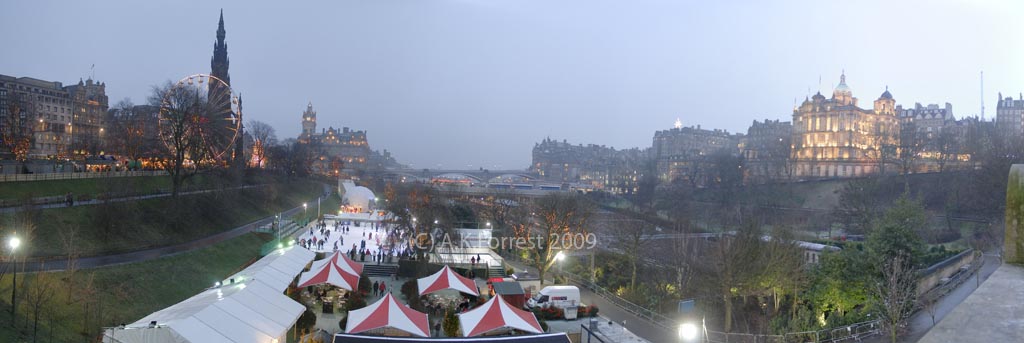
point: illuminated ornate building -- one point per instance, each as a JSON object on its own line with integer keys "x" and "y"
{"x": 339, "y": 150}
{"x": 835, "y": 138}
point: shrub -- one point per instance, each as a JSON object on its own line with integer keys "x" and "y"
{"x": 549, "y": 313}
{"x": 306, "y": 321}
{"x": 364, "y": 284}
{"x": 451, "y": 324}
{"x": 587, "y": 311}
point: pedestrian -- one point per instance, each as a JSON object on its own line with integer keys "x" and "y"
{"x": 383, "y": 288}
{"x": 375, "y": 286}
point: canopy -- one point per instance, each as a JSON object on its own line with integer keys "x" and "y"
{"x": 342, "y": 260}
{"x": 387, "y": 312}
{"x": 446, "y": 278}
{"x": 250, "y": 309}
{"x": 496, "y": 314}
{"x": 278, "y": 269}
{"x": 336, "y": 271}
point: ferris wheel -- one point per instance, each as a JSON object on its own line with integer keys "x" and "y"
{"x": 200, "y": 118}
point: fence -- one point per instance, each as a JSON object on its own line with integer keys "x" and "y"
{"x": 81, "y": 175}
{"x": 854, "y": 332}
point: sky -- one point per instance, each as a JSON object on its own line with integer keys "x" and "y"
{"x": 465, "y": 84}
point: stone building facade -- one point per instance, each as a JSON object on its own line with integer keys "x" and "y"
{"x": 1010, "y": 115}
{"x": 766, "y": 150}
{"x": 63, "y": 122}
{"x": 599, "y": 166}
{"x": 340, "y": 151}
{"x": 679, "y": 153}
{"x": 836, "y": 138}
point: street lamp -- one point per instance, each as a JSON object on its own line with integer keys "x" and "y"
{"x": 688, "y": 332}
{"x": 14, "y": 242}
{"x": 559, "y": 257}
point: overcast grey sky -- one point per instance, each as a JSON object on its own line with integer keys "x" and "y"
{"x": 471, "y": 83}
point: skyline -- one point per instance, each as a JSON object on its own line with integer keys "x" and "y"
{"x": 483, "y": 81}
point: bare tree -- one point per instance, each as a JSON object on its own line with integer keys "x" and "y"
{"x": 631, "y": 237}
{"x": 729, "y": 267}
{"x": 894, "y": 294}
{"x": 557, "y": 217}
{"x": 929, "y": 302}
{"x": 128, "y": 128}
{"x": 192, "y": 126}
{"x": 263, "y": 136}
{"x": 16, "y": 127}
{"x": 947, "y": 147}
{"x": 499, "y": 206}
{"x": 39, "y": 297}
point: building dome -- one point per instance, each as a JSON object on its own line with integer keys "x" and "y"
{"x": 886, "y": 94}
{"x": 842, "y": 88}
{"x": 356, "y": 196}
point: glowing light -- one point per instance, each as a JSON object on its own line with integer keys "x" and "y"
{"x": 687, "y": 331}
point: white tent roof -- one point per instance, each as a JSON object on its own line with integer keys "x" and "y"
{"x": 277, "y": 269}
{"x": 357, "y": 196}
{"x": 253, "y": 309}
{"x": 496, "y": 314}
{"x": 446, "y": 278}
{"x": 336, "y": 270}
{"x": 387, "y": 312}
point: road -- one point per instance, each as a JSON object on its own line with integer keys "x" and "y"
{"x": 639, "y": 326}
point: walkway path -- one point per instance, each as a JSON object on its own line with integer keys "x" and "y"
{"x": 637, "y": 325}
{"x": 12, "y": 209}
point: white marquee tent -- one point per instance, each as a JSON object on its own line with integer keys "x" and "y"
{"x": 253, "y": 308}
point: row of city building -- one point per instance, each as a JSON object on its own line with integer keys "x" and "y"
{"x": 827, "y": 138}
{"x": 48, "y": 127}
{"x": 341, "y": 151}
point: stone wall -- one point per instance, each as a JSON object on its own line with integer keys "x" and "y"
{"x": 1013, "y": 246}
{"x": 932, "y": 277}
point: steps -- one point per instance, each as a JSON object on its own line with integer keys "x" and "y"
{"x": 381, "y": 270}
{"x": 495, "y": 271}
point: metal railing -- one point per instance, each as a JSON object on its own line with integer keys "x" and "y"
{"x": 78, "y": 175}
{"x": 855, "y": 331}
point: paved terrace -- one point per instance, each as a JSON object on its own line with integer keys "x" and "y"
{"x": 993, "y": 313}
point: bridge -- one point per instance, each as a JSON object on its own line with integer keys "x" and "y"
{"x": 474, "y": 175}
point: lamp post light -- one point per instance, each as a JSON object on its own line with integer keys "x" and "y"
{"x": 14, "y": 242}
{"x": 688, "y": 332}
{"x": 559, "y": 257}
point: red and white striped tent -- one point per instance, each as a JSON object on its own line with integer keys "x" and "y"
{"x": 497, "y": 314}
{"x": 446, "y": 278}
{"x": 387, "y": 312}
{"x": 342, "y": 260}
{"x": 336, "y": 270}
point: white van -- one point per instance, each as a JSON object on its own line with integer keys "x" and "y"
{"x": 557, "y": 296}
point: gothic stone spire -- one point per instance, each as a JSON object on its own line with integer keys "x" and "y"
{"x": 219, "y": 62}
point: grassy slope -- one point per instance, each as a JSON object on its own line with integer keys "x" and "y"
{"x": 17, "y": 190}
{"x": 144, "y": 224}
{"x": 127, "y": 293}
